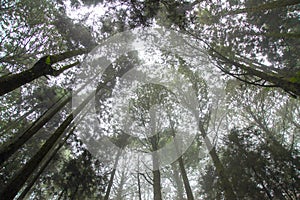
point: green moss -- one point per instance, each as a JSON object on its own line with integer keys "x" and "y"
{"x": 295, "y": 79}
{"x": 48, "y": 60}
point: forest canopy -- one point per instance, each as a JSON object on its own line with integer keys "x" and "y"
{"x": 141, "y": 99}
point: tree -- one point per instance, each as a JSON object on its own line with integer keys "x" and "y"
{"x": 42, "y": 67}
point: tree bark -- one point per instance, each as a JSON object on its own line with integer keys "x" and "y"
{"x": 288, "y": 83}
{"x": 42, "y": 67}
{"x": 226, "y": 184}
{"x": 156, "y": 172}
{"x": 12, "y": 146}
{"x": 43, "y": 167}
{"x": 266, "y": 6}
{"x": 18, "y": 180}
{"x": 139, "y": 186}
{"x": 111, "y": 180}
{"x": 177, "y": 181}
{"x": 185, "y": 179}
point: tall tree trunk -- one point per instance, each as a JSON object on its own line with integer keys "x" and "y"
{"x": 156, "y": 185}
{"x": 9, "y": 126}
{"x": 156, "y": 172}
{"x": 112, "y": 175}
{"x": 61, "y": 194}
{"x": 43, "y": 167}
{"x": 12, "y": 146}
{"x": 288, "y": 83}
{"x": 154, "y": 139}
{"x": 226, "y": 184}
{"x": 185, "y": 179}
{"x": 139, "y": 186}
{"x": 42, "y": 67}
{"x": 121, "y": 186}
{"x": 177, "y": 181}
{"x": 18, "y": 180}
{"x": 262, "y": 7}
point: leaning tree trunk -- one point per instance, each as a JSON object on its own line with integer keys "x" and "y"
{"x": 16, "y": 183}
{"x": 112, "y": 175}
{"x": 289, "y": 83}
{"x": 12, "y": 146}
{"x": 185, "y": 179}
{"x": 42, "y": 67}
{"x": 226, "y": 184}
{"x": 265, "y": 6}
{"x": 43, "y": 167}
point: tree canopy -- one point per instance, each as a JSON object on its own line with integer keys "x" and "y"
{"x": 181, "y": 99}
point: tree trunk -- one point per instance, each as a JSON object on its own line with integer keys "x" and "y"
{"x": 226, "y": 184}
{"x": 9, "y": 125}
{"x": 43, "y": 167}
{"x": 42, "y": 67}
{"x": 139, "y": 186}
{"x": 290, "y": 84}
{"x": 12, "y": 146}
{"x": 61, "y": 194}
{"x": 266, "y": 6}
{"x": 18, "y": 180}
{"x": 120, "y": 187}
{"x": 185, "y": 179}
{"x": 156, "y": 172}
{"x": 177, "y": 181}
{"x": 111, "y": 180}
{"x": 228, "y": 189}
{"x": 156, "y": 185}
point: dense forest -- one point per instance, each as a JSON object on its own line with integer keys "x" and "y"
{"x": 150, "y": 99}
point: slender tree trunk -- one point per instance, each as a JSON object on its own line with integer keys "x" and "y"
{"x": 120, "y": 187}
{"x": 185, "y": 179}
{"x": 112, "y": 175}
{"x": 14, "y": 123}
{"x": 139, "y": 186}
{"x": 156, "y": 172}
{"x": 43, "y": 167}
{"x": 12, "y": 146}
{"x": 61, "y": 194}
{"x": 226, "y": 184}
{"x": 156, "y": 185}
{"x": 18, "y": 180}
{"x": 41, "y": 68}
{"x": 177, "y": 181}
{"x": 266, "y": 6}
{"x": 154, "y": 139}
{"x": 290, "y": 84}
